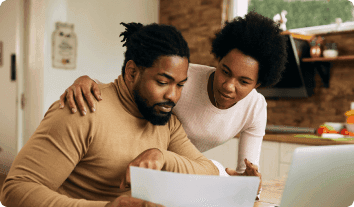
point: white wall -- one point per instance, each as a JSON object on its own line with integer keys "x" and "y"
{"x": 99, "y": 48}
{"x": 8, "y": 92}
{"x": 100, "y": 55}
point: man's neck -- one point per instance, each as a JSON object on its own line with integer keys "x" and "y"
{"x": 129, "y": 86}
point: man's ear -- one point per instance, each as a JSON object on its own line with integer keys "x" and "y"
{"x": 131, "y": 71}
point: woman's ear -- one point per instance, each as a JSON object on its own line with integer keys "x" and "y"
{"x": 131, "y": 71}
{"x": 258, "y": 84}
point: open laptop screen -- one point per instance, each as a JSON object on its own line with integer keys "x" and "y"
{"x": 320, "y": 176}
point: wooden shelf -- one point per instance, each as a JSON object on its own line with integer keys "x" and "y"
{"x": 299, "y": 36}
{"x": 323, "y": 59}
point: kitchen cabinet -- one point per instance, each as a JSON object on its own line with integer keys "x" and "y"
{"x": 269, "y": 160}
{"x": 286, "y": 155}
{"x": 283, "y": 169}
{"x": 276, "y": 158}
{"x": 274, "y": 161}
{"x": 276, "y": 154}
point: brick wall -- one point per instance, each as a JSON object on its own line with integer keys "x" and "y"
{"x": 199, "y": 19}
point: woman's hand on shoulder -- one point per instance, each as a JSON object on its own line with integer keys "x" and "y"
{"x": 83, "y": 89}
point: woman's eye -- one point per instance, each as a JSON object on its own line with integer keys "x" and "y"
{"x": 180, "y": 85}
{"x": 244, "y": 82}
{"x": 225, "y": 71}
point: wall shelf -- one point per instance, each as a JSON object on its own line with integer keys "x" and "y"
{"x": 323, "y": 59}
{"x": 323, "y": 65}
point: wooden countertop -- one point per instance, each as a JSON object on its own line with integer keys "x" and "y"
{"x": 272, "y": 191}
{"x": 307, "y": 139}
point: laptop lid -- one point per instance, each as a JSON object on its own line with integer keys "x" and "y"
{"x": 320, "y": 176}
{"x": 176, "y": 189}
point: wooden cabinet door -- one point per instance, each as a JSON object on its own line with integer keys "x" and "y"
{"x": 269, "y": 160}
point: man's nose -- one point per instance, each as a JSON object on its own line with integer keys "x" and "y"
{"x": 172, "y": 94}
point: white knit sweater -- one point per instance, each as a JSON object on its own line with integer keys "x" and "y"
{"x": 208, "y": 126}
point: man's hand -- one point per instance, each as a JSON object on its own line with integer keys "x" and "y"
{"x": 151, "y": 158}
{"x": 83, "y": 85}
{"x": 127, "y": 201}
{"x": 251, "y": 170}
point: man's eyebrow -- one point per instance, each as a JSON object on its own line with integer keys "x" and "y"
{"x": 245, "y": 77}
{"x": 170, "y": 77}
{"x": 227, "y": 67}
{"x": 184, "y": 80}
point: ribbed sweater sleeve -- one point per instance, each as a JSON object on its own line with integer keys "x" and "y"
{"x": 251, "y": 138}
{"x": 46, "y": 161}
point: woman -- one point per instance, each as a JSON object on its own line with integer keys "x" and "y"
{"x": 218, "y": 103}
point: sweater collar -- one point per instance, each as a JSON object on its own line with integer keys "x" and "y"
{"x": 126, "y": 98}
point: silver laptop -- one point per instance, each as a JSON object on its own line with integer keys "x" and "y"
{"x": 320, "y": 176}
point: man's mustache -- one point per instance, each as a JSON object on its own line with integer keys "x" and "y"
{"x": 168, "y": 103}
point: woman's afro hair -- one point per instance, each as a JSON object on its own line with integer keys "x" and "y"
{"x": 256, "y": 36}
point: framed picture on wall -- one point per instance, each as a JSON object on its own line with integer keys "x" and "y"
{"x": 64, "y": 46}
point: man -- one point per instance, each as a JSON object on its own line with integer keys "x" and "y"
{"x": 71, "y": 161}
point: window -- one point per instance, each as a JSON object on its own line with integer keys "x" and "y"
{"x": 303, "y": 16}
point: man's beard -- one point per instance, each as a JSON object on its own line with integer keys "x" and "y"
{"x": 150, "y": 113}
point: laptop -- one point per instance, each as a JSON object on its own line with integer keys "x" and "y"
{"x": 184, "y": 190}
{"x": 320, "y": 176}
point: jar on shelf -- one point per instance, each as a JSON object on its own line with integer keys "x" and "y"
{"x": 330, "y": 50}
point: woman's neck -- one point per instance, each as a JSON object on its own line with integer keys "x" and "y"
{"x": 210, "y": 89}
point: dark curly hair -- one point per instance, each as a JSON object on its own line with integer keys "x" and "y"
{"x": 256, "y": 36}
{"x": 146, "y": 43}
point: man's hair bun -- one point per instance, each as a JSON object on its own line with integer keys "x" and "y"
{"x": 130, "y": 29}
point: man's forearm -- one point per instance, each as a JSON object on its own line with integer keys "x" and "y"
{"x": 182, "y": 156}
{"x": 18, "y": 191}
{"x": 189, "y": 165}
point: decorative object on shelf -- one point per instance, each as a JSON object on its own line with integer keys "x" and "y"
{"x": 330, "y": 50}
{"x": 315, "y": 49}
{"x": 338, "y": 23}
{"x": 64, "y": 46}
{"x": 281, "y": 19}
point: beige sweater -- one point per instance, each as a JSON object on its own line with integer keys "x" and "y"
{"x": 72, "y": 160}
